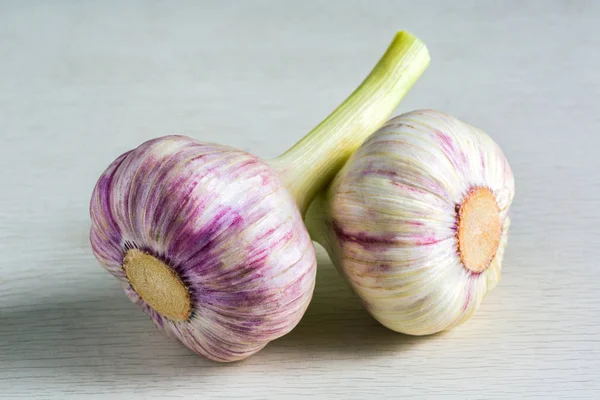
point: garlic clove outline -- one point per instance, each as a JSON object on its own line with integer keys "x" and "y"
{"x": 417, "y": 221}
{"x": 209, "y": 240}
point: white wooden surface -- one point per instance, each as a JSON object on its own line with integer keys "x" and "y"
{"x": 81, "y": 83}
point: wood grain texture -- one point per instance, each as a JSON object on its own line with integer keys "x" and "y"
{"x": 80, "y": 84}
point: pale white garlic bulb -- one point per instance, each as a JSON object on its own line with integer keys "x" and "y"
{"x": 417, "y": 221}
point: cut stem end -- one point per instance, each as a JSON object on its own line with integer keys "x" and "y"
{"x": 158, "y": 285}
{"x": 479, "y": 229}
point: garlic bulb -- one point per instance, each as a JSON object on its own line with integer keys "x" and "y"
{"x": 417, "y": 221}
{"x": 209, "y": 240}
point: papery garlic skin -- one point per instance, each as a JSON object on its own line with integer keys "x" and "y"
{"x": 209, "y": 240}
{"x": 207, "y": 211}
{"x": 389, "y": 220}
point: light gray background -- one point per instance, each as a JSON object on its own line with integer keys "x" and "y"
{"x": 82, "y": 83}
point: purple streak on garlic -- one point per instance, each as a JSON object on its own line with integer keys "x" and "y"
{"x": 417, "y": 221}
{"x": 209, "y": 240}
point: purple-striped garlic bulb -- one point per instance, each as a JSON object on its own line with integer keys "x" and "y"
{"x": 209, "y": 240}
{"x": 417, "y": 221}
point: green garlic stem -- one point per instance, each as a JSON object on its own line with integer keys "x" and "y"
{"x": 317, "y": 221}
{"x": 312, "y": 162}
